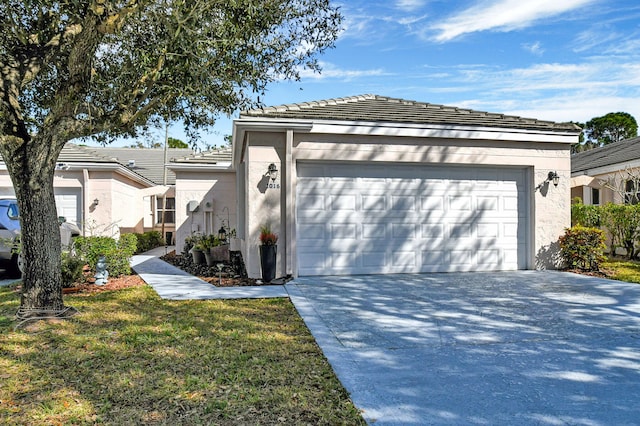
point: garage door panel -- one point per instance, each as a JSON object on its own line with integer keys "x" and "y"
{"x": 430, "y": 231}
{"x": 409, "y": 219}
{"x": 376, "y": 259}
{"x": 373, "y": 231}
{"x": 343, "y": 231}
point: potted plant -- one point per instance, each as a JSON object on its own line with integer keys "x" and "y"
{"x": 268, "y": 253}
{"x": 197, "y": 249}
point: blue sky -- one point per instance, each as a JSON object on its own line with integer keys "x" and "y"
{"x": 556, "y": 60}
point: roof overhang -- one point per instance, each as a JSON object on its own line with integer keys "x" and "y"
{"x": 155, "y": 190}
{"x": 396, "y": 129}
{"x": 583, "y": 180}
{"x": 611, "y": 168}
{"x": 107, "y": 167}
{"x": 193, "y": 167}
{"x": 242, "y": 125}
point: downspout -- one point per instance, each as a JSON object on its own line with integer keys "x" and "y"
{"x": 164, "y": 182}
{"x": 85, "y": 198}
{"x": 288, "y": 204}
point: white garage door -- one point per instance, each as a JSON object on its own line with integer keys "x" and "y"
{"x": 68, "y": 204}
{"x": 376, "y": 219}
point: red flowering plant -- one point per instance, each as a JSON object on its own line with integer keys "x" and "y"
{"x": 267, "y": 238}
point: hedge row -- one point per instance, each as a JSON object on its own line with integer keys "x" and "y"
{"x": 621, "y": 223}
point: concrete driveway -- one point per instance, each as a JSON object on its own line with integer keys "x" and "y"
{"x": 513, "y": 348}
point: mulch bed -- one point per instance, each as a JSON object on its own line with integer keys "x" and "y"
{"x": 203, "y": 272}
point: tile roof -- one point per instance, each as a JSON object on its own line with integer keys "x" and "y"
{"x": 215, "y": 156}
{"x": 386, "y": 109}
{"x": 147, "y": 162}
{"x": 617, "y": 152}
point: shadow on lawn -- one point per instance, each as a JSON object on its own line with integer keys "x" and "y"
{"x": 130, "y": 357}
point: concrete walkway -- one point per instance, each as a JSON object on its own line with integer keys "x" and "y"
{"x": 175, "y": 284}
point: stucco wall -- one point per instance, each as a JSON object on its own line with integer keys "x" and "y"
{"x": 549, "y": 206}
{"x": 264, "y": 199}
{"x": 215, "y": 193}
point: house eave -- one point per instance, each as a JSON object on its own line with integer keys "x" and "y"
{"x": 610, "y": 168}
{"x": 190, "y": 167}
{"x": 440, "y": 131}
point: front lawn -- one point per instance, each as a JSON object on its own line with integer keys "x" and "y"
{"x": 622, "y": 269}
{"x": 131, "y": 358}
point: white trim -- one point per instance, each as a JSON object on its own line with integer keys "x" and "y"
{"x": 405, "y": 129}
{"x": 190, "y": 167}
{"x": 611, "y": 168}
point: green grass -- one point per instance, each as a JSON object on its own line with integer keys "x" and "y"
{"x": 622, "y": 270}
{"x": 131, "y": 358}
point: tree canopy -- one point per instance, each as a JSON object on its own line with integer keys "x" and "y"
{"x": 108, "y": 68}
{"x": 610, "y": 128}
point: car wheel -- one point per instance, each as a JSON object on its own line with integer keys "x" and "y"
{"x": 16, "y": 266}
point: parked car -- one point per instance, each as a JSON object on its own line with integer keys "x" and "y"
{"x": 10, "y": 258}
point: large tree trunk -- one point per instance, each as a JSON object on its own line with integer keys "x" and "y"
{"x": 31, "y": 167}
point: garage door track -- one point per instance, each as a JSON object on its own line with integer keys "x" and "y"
{"x": 543, "y": 348}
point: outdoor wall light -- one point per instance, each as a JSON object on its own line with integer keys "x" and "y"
{"x": 273, "y": 172}
{"x": 96, "y": 202}
{"x": 553, "y": 177}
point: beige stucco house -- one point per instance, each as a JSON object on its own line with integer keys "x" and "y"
{"x": 371, "y": 184}
{"x": 108, "y": 191}
{"x": 205, "y": 194}
{"x": 607, "y": 174}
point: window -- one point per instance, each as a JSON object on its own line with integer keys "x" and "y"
{"x": 169, "y": 210}
{"x": 595, "y": 196}
{"x": 12, "y": 212}
{"x": 632, "y": 192}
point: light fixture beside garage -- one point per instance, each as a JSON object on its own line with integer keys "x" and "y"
{"x": 273, "y": 172}
{"x": 551, "y": 177}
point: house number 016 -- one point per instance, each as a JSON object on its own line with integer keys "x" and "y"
{"x": 274, "y": 186}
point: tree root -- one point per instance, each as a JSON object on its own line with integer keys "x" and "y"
{"x": 25, "y": 315}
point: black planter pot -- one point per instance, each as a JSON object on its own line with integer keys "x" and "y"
{"x": 268, "y": 256}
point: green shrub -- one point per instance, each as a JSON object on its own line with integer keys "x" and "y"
{"x": 189, "y": 243}
{"x": 583, "y": 248}
{"x": 585, "y": 215}
{"x": 72, "y": 267}
{"x": 148, "y": 240}
{"x": 623, "y": 224}
{"x": 117, "y": 254}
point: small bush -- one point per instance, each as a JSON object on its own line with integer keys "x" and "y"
{"x": 117, "y": 254}
{"x": 71, "y": 269}
{"x": 583, "y": 248}
{"x": 148, "y": 240}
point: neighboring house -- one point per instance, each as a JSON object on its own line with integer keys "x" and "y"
{"x": 107, "y": 191}
{"x": 205, "y": 194}
{"x": 371, "y": 184}
{"x": 610, "y": 173}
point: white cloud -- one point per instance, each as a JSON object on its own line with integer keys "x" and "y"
{"x": 331, "y": 71}
{"x": 410, "y": 5}
{"x": 547, "y": 91}
{"x": 534, "y": 48}
{"x": 502, "y": 15}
